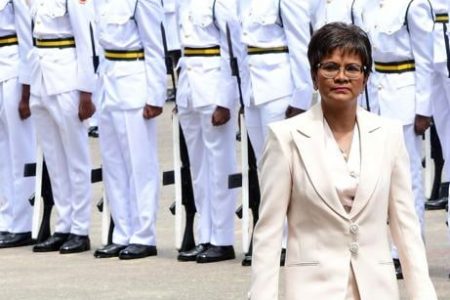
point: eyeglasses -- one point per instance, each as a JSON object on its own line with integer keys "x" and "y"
{"x": 331, "y": 70}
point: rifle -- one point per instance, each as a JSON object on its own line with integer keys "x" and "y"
{"x": 181, "y": 175}
{"x": 42, "y": 210}
{"x": 248, "y": 178}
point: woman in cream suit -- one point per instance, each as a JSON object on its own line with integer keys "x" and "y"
{"x": 341, "y": 176}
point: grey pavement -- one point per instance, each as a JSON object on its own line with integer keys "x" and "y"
{"x": 49, "y": 276}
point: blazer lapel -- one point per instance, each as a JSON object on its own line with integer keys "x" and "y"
{"x": 309, "y": 139}
{"x": 371, "y": 160}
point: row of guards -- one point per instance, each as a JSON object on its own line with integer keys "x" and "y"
{"x": 180, "y": 176}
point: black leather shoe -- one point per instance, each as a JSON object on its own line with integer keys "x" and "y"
{"x": 16, "y": 240}
{"x": 436, "y": 204}
{"x": 216, "y": 253}
{"x": 134, "y": 251}
{"x": 398, "y": 269}
{"x": 111, "y": 250}
{"x": 75, "y": 243}
{"x": 191, "y": 255}
{"x": 53, "y": 243}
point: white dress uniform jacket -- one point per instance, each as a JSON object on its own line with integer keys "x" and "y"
{"x": 273, "y": 23}
{"x": 173, "y": 41}
{"x": 70, "y": 68}
{"x": 207, "y": 81}
{"x": 396, "y": 36}
{"x": 119, "y": 30}
{"x": 128, "y": 141}
{"x": 17, "y": 142}
{"x": 325, "y": 241}
{"x": 328, "y": 11}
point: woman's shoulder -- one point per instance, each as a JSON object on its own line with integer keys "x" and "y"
{"x": 390, "y": 126}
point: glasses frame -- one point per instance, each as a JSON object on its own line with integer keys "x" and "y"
{"x": 341, "y": 68}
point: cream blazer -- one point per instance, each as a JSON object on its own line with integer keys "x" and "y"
{"x": 325, "y": 241}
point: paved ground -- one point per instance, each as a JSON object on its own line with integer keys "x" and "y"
{"x": 25, "y": 275}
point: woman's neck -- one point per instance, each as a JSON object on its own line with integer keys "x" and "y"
{"x": 340, "y": 120}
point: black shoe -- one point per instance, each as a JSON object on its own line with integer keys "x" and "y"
{"x": 436, "y": 204}
{"x": 134, "y": 251}
{"x": 398, "y": 269}
{"x": 93, "y": 132}
{"x": 111, "y": 250}
{"x": 216, "y": 253}
{"x": 75, "y": 244}
{"x": 53, "y": 243}
{"x": 16, "y": 240}
{"x": 247, "y": 261}
{"x": 191, "y": 255}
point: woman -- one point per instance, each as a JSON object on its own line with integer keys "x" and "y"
{"x": 339, "y": 174}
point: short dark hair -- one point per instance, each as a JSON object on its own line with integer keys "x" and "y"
{"x": 338, "y": 35}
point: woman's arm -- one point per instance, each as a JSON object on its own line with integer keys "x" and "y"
{"x": 404, "y": 225}
{"x": 276, "y": 184}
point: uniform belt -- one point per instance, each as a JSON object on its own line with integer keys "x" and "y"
{"x": 441, "y": 18}
{"x": 210, "y": 51}
{"x": 256, "y": 50}
{"x": 395, "y": 67}
{"x": 125, "y": 54}
{"x": 9, "y": 40}
{"x": 56, "y": 43}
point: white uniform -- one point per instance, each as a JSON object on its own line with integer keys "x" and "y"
{"x": 328, "y": 11}
{"x": 402, "y": 39}
{"x": 17, "y": 142}
{"x": 205, "y": 82}
{"x": 132, "y": 75}
{"x": 277, "y": 78}
{"x": 173, "y": 41}
{"x": 58, "y": 75}
{"x": 441, "y": 79}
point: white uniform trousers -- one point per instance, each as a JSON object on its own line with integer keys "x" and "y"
{"x": 17, "y": 147}
{"x": 212, "y": 157}
{"x": 64, "y": 141}
{"x": 258, "y": 118}
{"x": 441, "y": 116}
{"x": 130, "y": 174}
{"x": 413, "y": 144}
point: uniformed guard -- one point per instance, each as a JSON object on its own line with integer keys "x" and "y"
{"x": 62, "y": 80}
{"x": 276, "y": 35}
{"x": 17, "y": 142}
{"x": 441, "y": 80}
{"x": 132, "y": 90}
{"x": 207, "y": 101}
{"x": 402, "y": 41}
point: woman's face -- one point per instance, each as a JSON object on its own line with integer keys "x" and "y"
{"x": 340, "y": 79}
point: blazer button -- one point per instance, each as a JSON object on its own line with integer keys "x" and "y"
{"x": 354, "y": 228}
{"x": 354, "y": 248}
